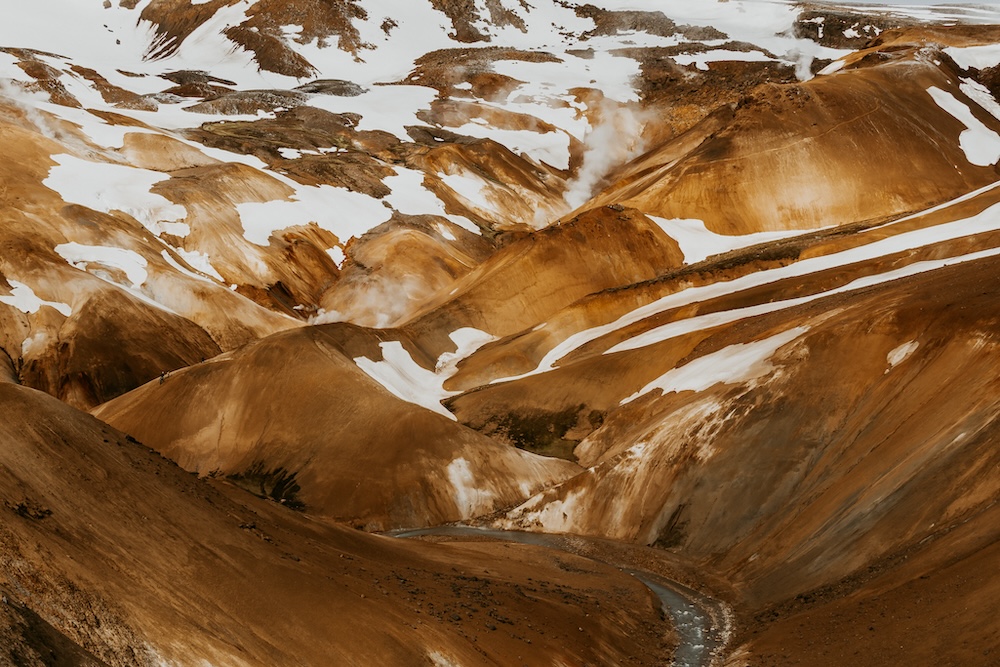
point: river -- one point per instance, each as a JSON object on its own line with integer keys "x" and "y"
{"x": 698, "y": 619}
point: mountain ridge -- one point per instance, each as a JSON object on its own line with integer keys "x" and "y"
{"x": 712, "y": 277}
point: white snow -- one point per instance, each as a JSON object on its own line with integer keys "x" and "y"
{"x": 131, "y": 263}
{"x": 697, "y": 242}
{"x": 409, "y": 196}
{"x": 938, "y": 11}
{"x": 763, "y": 23}
{"x": 833, "y": 67}
{"x": 386, "y": 108}
{"x": 10, "y": 70}
{"x": 551, "y": 148}
{"x": 819, "y": 21}
{"x": 207, "y": 49}
{"x": 980, "y": 144}
{"x": 32, "y": 344}
{"x": 420, "y": 29}
{"x": 979, "y": 57}
{"x": 467, "y": 341}
{"x": 107, "y": 187}
{"x": 24, "y": 299}
{"x": 336, "y": 253}
{"x": 191, "y": 258}
{"x": 408, "y": 380}
{"x": 981, "y": 95}
{"x": 703, "y": 322}
{"x": 337, "y": 210}
{"x": 900, "y": 354}
{"x": 444, "y": 231}
{"x": 702, "y": 59}
{"x": 613, "y": 74}
{"x": 199, "y": 261}
{"x": 470, "y": 187}
{"x": 739, "y": 363}
{"x": 405, "y": 378}
{"x": 555, "y": 516}
{"x": 114, "y": 39}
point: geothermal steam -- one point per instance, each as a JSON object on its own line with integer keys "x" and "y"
{"x": 615, "y": 138}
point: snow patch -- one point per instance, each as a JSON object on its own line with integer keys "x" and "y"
{"x": 106, "y": 187}
{"x": 405, "y": 378}
{"x": 981, "y": 95}
{"x": 978, "y": 57}
{"x": 385, "y": 108}
{"x": 32, "y": 344}
{"x": 199, "y": 261}
{"x": 900, "y": 354}
{"x": 24, "y": 299}
{"x": 131, "y": 263}
{"x": 408, "y": 380}
{"x": 555, "y": 516}
{"x": 616, "y": 75}
{"x": 410, "y": 197}
{"x": 739, "y": 363}
{"x": 697, "y": 242}
{"x": 188, "y": 257}
{"x": 444, "y": 232}
{"x": 703, "y": 322}
{"x": 338, "y": 210}
{"x": 833, "y": 67}
{"x": 467, "y": 340}
{"x": 336, "y": 253}
{"x": 551, "y": 147}
{"x": 980, "y": 144}
{"x": 470, "y": 187}
{"x": 701, "y": 60}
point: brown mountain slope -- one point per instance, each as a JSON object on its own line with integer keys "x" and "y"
{"x": 139, "y": 563}
{"x": 546, "y": 388}
{"x": 934, "y": 605}
{"x": 537, "y": 275}
{"x": 841, "y": 463}
{"x": 295, "y": 418}
{"x": 862, "y": 143}
{"x": 103, "y": 277}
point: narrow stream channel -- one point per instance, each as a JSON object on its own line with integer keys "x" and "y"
{"x": 693, "y": 614}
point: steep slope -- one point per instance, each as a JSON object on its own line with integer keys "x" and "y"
{"x": 889, "y": 133}
{"x": 85, "y": 276}
{"x": 138, "y": 563}
{"x": 295, "y": 418}
{"x": 735, "y": 261}
{"x": 824, "y": 490}
{"x": 533, "y": 277}
{"x": 934, "y": 605}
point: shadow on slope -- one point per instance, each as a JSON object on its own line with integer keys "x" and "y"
{"x": 137, "y": 562}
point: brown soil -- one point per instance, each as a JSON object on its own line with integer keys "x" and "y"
{"x": 161, "y": 570}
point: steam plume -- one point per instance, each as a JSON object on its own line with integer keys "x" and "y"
{"x": 615, "y": 139}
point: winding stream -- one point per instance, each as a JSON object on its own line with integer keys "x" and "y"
{"x": 696, "y": 617}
